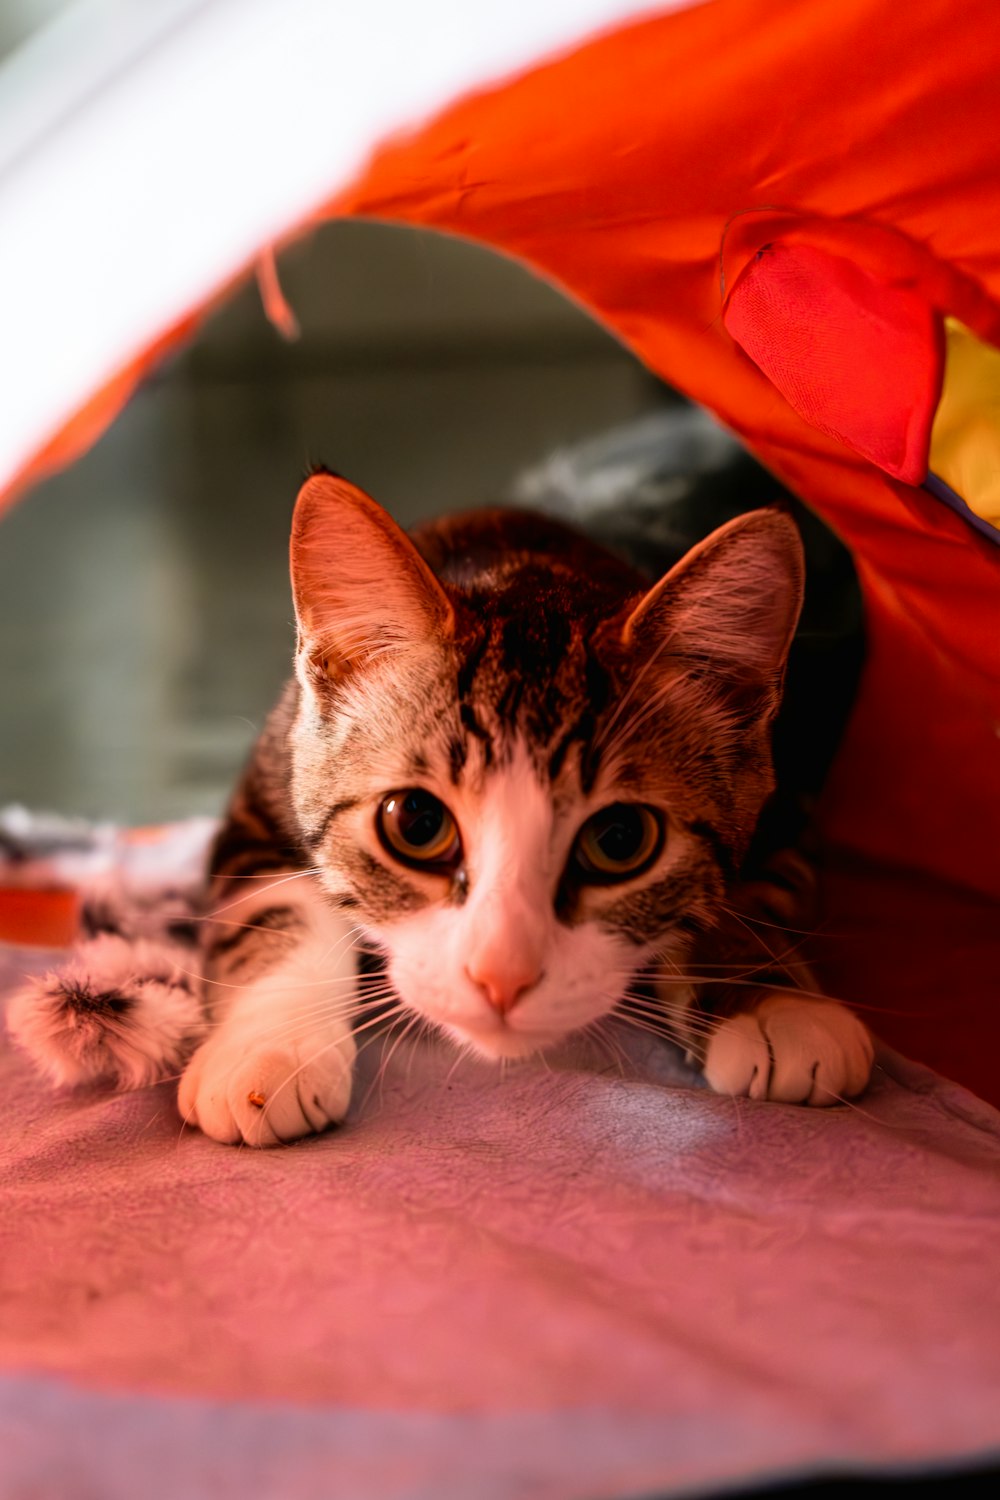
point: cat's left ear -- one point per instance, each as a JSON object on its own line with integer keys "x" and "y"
{"x": 361, "y": 588}
{"x": 731, "y": 605}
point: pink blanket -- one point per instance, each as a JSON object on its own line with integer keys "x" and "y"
{"x": 590, "y": 1280}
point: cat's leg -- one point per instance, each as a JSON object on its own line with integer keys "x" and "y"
{"x": 769, "y": 1034}
{"x": 281, "y": 982}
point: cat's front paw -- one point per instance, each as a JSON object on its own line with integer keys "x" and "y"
{"x": 262, "y": 1094}
{"x": 792, "y": 1049}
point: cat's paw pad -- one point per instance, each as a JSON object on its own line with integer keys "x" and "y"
{"x": 236, "y": 1091}
{"x": 791, "y": 1049}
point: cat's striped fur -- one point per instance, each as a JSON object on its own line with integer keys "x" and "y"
{"x": 523, "y": 681}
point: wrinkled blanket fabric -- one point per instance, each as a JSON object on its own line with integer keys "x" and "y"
{"x": 591, "y": 1278}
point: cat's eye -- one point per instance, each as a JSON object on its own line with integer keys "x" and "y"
{"x": 618, "y": 841}
{"x": 417, "y": 828}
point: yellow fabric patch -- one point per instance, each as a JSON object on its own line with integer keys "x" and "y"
{"x": 965, "y": 437}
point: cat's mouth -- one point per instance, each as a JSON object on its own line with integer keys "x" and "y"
{"x": 499, "y": 1039}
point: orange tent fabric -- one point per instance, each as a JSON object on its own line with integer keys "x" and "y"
{"x": 643, "y": 173}
{"x": 646, "y": 173}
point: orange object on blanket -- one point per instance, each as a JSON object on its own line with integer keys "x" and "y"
{"x": 776, "y": 208}
{"x": 39, "y": 918}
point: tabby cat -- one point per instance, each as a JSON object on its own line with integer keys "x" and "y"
{"x": 526, "y": 781}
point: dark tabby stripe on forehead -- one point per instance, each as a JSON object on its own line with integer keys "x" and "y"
{"x": 580, "y": 731}
{"x": 472, "y": 655}
{"x": 468, "y": 716}
{"x": 458, "y": 753}
{"x": 510, "y": 699}
{"x": 535, "y": 678}
{"x": 536, "y": 640}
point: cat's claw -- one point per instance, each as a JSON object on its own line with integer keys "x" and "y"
{"x": 265, "y": 1097}
{"x": 791, "y": 1049}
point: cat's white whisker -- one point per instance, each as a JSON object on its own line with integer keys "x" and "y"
{"x": 601, "y": 1032}
{"x": 275, "y": 885}
{"x": 405, "y": 1031}
{"x": 291, "y": 987}
{"x": 314, "y": 1057}
{"x": 304, "y": 1022}
{"x": 461, "y": 1053}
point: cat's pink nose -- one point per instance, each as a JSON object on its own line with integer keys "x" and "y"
{"x": 503, "y": 986}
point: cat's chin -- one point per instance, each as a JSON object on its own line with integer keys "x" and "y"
{"x": 502, "y": 1043}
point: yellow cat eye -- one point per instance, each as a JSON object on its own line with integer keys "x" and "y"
{"x": 618, "y": 841}
{"x": 417, "y": 828}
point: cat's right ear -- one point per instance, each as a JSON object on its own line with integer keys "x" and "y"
{"x": 730, "y": 607}
{"x": 361, "y": 588}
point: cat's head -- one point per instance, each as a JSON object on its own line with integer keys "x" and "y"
{"x": 525, "y": 777}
